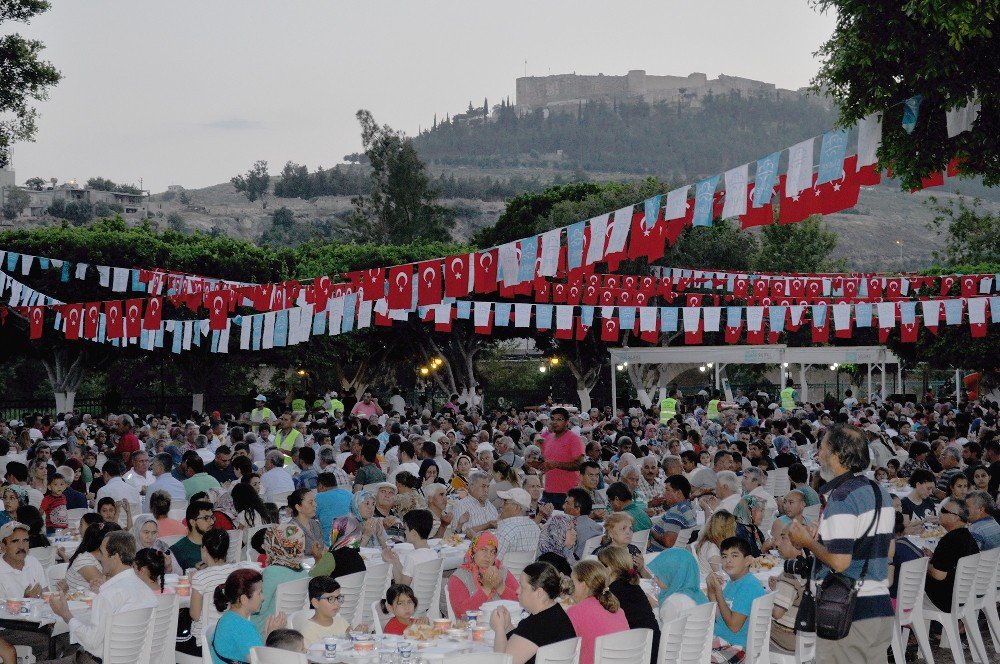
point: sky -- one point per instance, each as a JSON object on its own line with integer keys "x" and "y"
{"x": 192, "y": 92}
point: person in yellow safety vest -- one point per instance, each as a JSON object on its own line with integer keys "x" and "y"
{"x": 669, "y": 407}
{"x": 287, "y": 436}
{"x": 334, "y": 404}
{"x": 716, "y": 406}
{"x": 261, "y": 413}
{"x": 789, "y": 395}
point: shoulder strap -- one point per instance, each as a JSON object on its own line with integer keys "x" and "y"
{"x": 877, "y": 490}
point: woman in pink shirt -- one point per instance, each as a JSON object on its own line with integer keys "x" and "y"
{"x": 596, "y": 611}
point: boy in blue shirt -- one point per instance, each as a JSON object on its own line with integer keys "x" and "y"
{"x": 732, "y": 622}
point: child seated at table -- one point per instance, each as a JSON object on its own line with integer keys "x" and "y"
{"x": 54, "y": 505}
{"x": 732, "y": 623}
{"x": 325, "y": 599}
{"x": 401, "y": 602}
{"x": 286, "y": 639}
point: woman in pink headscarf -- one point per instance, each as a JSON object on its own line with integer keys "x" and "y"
{"x": 480, "y": 578}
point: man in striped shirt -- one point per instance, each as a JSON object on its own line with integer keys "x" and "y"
{"x": 840, "y": 544}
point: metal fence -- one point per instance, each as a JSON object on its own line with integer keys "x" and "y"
{"x": 11, "y": 409}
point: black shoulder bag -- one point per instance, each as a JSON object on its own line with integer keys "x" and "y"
{"x": 838, "y": 593}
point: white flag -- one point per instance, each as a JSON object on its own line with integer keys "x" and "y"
{"x": 564, "y": 316}
{"x": 336, "y": 317}
{"x": 188, "y": 333}
{"x": 442, "y": 313}
{"x": 365, "y": 314}
{"x": 549, "y": 261}
{"x": 522, "y": 314}
{"x": 224, "y": 337}
{"x": 960, "y": 119}
{"x": 620, "y": 229}
{"x": 841, "y": 316}
{"x": 736, "y": 192}
{"x": 245, "y": 330}
{"x": 81, "y": 270}
{"x": 598, "y": 237}
{"x": 692, "y": 317}
{"x": 647, "y": 319}
{"x": 755, "y": 318}
{"x": 105, "y": 275}
{"x": 886, "y": 314}
{"x": 507, "y": 257}
{"x": 481, "y": 313}
{"x": 869, "y": 139}
{"x": 676, "y": 206}
{"x": 977, "y": 310}
{"x": 26, "y": 262}
{"x": 800, "y": 167}
{"x": 712, "y": 316}
{"x": 119, "y": 281}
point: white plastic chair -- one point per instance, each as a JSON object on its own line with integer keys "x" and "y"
{"x": 177, "y": 513}
{"x": 377, "y": 579}
{"x": 478, "y": 658}
{"x": 447, "y": 604}
{"x": 426, "y": 584}
{"x": 591, "y": 545}
{"x": 127, "y": 637}
{"x": 805, "y": 650}
{"x": 163, "y": 639}
{"x": 631, "y": 647}
{"x": 986, "y": 584}
{"x": 350, "y": 593}
{"x": 561, "y": 652}
{"x": 640, "y": 539}
{"x": 516, "y": 561}
{"x": 280, "y": 499}
{"x": 684, "y": 538}
{"x": 671, "y": 637}
{"x": 696, "y": 645}
{"x": 265, "y": 655}
{"x": 909, "y": 616}
{"x": 778, "y": 483}
{"x": 759, "y": 635}
{"x": 46, "y": 555}
{"x": 291, "y": 596}
{"x": 56, "y": 572}
{"x": 170, "y": 540}
{"x": 962, "y": 603}
{"x": 811, "y": 513}
{"x": 248, "y": 537}
{"x": 379, "y": 619}
{"x": 992, "y": 616}
{"x": 235, "y": 546}
{"x": 74, "y": 515}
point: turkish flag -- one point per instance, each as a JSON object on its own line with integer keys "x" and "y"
{"x": 842, "y": 193}
{"x": 73, "y": 313}
{"x": 762, "y": 216}
{"x": 609, "y": 329}
{"x": 608, "y": 296}
{"x": 778, "y": 289}
{"x": 543, "y": 290}
{"x": 581, "y": 330}
{"x": 756, "y": 337}
{"x": 692, "y": 300}
{"x": 893, "y": 288}
{"x": 946, "y": 284}
{"x": 760, "y": 287}
{"x": 932, "y": 180}
{"x": 564, "y": 334}
{"x": 115, "y": 327}
{"x": 559, "y": 293}
{"x": 978, "y": 330}
{"x": 91, "y": 321}
{"x": 36, "y": 320}
{"x": 372, "y": 284}
{"x": 486, "y": 271}
{"x": 874, "y": 288}
{"x": 429, "y": 286}
{"x": 733, "y": 334}
{"x": 651, "y": 336}
{"x": 154, "y": 314}
{"x": 795, "y": 208}
{"x": 908, "y": 332}
{"x": 696, "y": 336}
{"x": 625, "y": 297}
{"x": 217, "y": 312}
{"x": 574, "y": 292}
{"x": 591, "y": 293}
{"x": 847, "y": 332}
{"x": 401, "y": 287}
{"x": 133, "y": 318}
{"x": 647, "y": 241}
{"x": 322, "y": 287}
{"x": 851, "y": 288}
{"x": 456, "y": 280}
{"x": 488, "y": 327}
{"x": 970, "y": 285}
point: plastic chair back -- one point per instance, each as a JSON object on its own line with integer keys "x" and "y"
{"x": 671, "y": 637}
{"x": 592, "y": 544}
{"x": 127, "y": 637}
{"x": 516, "y": 561}
{"x": 640, "y": 539}
{"x": 265, "y": 655}
{"x": 164, "y": 635}
{"x": 291, "y": 596}
{"x": 426, "y": 586}
{"x": 696, "y": 645}
{"x": 759, "y": 634}
{"x": 561, "y": 652}
{"x": 350, "y": 593}
{"x": 480, "y": 658}
{"x": 631, "y": 647}
{"x": 377, "y": 579}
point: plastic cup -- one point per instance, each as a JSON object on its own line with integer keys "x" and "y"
{"x": 14, "y": 606}
{"x": 478, "y": 633}
{"x": 330, "y": 647}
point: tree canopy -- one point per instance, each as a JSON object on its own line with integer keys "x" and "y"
{"x": 255, "y": 183}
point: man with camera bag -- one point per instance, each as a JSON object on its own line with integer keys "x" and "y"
{"x": 851, "y": 545}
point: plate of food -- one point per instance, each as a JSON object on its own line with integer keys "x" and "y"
{"x": 455, "y": 539}
{"x": 764, "y": 562}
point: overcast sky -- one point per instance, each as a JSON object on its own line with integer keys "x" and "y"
{"x": 191, "y": 92}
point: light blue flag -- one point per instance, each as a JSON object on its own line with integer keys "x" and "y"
{"x": 587, "y": 315}
{"x": 776, "y": 317}
{"x": 102, "y": 323}
{"x": 911, "y": 111}
{"x": 734, "y": 316}
{"x": 764, "y": 180}
{"x": 196, "y": 334}
{"x": 819, "y": 314}
{"x": 543, "y": 316}
{"x": 280, "y": 329}
{"x": 350, "y": 313}
{"x": 421, "y": 311}
{"x": 704, "y": 193}
{"x": 668, "y": 319}
{"x": 502, "y": 317}
{"x": 652, "y": 208}
{"x": 215, "y": 341}
{"x": 908, "y": 313}
{"x": 65, "y": 271}
{"x": 319, "y": 323}
{"x": 159, "y": 336}
{"x": 12, "y": 260}
{"x": 463, "y": 310}
{"x": 831, "y": 156}
{"x": 574, "y": 245}
{"x": 626, "y": 318}
{"x": 863, "y": 314}
{"x": 953, "y": 312}
{"x": 137, "y": 284}
{"x": 529, "y": 254}
{"x": 256, "y": 331}
{"x": 43, "y": 262}
{"x": 995, "y": 309}
{"x": 178, "y": 337}
{"x": 146, "y": 338}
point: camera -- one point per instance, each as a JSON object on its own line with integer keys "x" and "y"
{"x": 800, "y": 566}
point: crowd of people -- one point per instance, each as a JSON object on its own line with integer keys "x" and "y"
{"x": 587, "y": 494}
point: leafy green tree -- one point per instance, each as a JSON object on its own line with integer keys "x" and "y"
{"x": 882, "y": 53}
{"x": 972, "y": 235}
{"x": 184, "y": 198}
{"x": 104, "y": 184}
{"x": 175, "y": 222}
{"x": 402, "y": 205}
{"x": 254, "y": 184}
{"x": 35, "y": 183}
{"x": 24, "y": 77}
{"x": 15, "y": 202}
{"x": 802, "y": 247}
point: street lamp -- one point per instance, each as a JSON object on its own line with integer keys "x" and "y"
{"x": 301, "y": 372}
{"x": 899, "y": 243}
{"x": 553, "y": 361}
{"x": 542, "y": 368}
{"x": 424, "y": 371}
{"x": 702, "y": 368}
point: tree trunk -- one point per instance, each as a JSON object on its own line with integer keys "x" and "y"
{"x": 65, "y": 401}
{"x": 66, "y": 368}
{"x": 198, "y": 402}
{"x": 583, "y": 393}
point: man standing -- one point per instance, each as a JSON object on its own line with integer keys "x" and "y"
{"x": 563, "y": 452}
{"x": 679, "y": 515}
{"x": 140, "y": 476}
{"x": 840, "y": 545}
{"x": 789, "y": 396}
{"x": 128, "y": 444}
{"x": 515, "y": 530}
{"x": 123, "y": 591}
{"x": 367, "y": 408}
{"x": 669, "y": 407}
{"x": 261, "y": 414}
{"x": 200, "y": 519}
{"x": 288, "y": 437}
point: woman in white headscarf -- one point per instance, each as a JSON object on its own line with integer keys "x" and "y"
{"x": 146, "y": 532}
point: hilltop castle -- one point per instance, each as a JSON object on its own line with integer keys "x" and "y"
{"x": 568, "y": 91}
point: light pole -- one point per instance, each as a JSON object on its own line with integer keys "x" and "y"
{"x": 899, "y": 243}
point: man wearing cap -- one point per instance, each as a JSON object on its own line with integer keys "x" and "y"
{"x": 261, "y": 413}
{"x": 21, "y": 575}
{"x": 288, "y": 437}
{"x": 123, "y": 591}
{"x": 515, "y": 530}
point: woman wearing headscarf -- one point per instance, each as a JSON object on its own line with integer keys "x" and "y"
{"x": 553, "y": 543}
{"x": 749, "y": 513}
{"x": 224, "y": 509}
{"x": 363, "y": 512}
{"x": 12, "y": 499}
{"x": 480, "y": 578}
{"x": 676, "y": 572}
{"x": 146, "y": 531}
{"x": 343, "y": 557}
{"x": 284, "y": 546}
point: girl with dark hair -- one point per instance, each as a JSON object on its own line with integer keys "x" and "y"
{"x": 429, "y": 473}
{"x": 84, "y": 570}
{"x": 250, "y": 510}
{"x": 539, "y": 587}
{"x": 151, "y": 566}
{"x": 234, "y": 635}
{"x": 401, "y": 602}
{"x": 31, "y": 517}
{"x": 302, "y": 503}
{"x": 214, "y": 549}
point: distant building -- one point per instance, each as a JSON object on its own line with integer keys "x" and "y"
{"x": 131, "y": 204}
{"x": 565, "y": 92}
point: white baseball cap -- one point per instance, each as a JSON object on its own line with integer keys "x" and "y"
{"x": 519, "y": 496}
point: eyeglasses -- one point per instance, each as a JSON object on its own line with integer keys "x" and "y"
{"x": 950, "y": 512}
{"x": 208, "y": 517}
{"x": 333, "y": 599}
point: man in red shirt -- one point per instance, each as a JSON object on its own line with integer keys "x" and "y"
{"x": 128, "y": 443}
{"x": 563, "y": 453}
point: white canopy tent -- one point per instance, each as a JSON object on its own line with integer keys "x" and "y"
{"x": 783, "y": 356}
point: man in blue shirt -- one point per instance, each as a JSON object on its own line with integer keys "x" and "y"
{"x": 331, "y": 502}
{"x": 734, "y": 601}
{"x": 984, "y": 528}
{"x": 679, "y": 515}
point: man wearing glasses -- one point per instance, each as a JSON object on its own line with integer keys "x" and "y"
{"x": 325, "y": 599}
{"x": 187, "y": 550}
{"x": 956, "y": 544}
